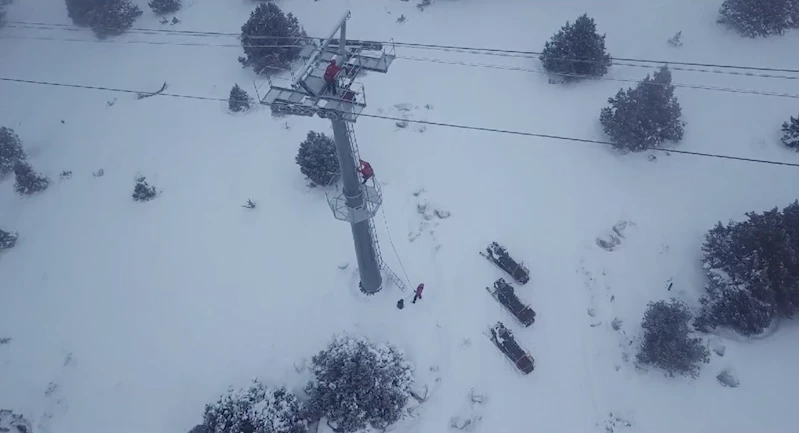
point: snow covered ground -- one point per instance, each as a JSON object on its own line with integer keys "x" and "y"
{"x": 129, "y": 317}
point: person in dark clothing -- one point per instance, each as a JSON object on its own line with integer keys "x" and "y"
{"x": 366, "y": 171}
{"x": 330, "y": 76}
{"x": 418, "y": 294}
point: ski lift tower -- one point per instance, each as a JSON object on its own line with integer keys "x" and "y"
{"x": 307, "y": 95}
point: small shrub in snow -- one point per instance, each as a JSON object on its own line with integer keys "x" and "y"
{"x": 645, "y": 116}
{"x": 10, "y": 150}
{"x": 576, "y": 51}
{"x": 318, "y": 159}
{"x": 239, "y": 100}
{"x": 28, "y": 181}
{"x": 790, "y": 131}
{"x": 105, "y": 17}
{"x": 755, "y": 18}
{"x": 7, "y": 240}
{"x": 143, "y": 191}
{"x": 257, "y": 409}
{"x": 161, "y": 7}
{"x": 667, "y": 342}
{"x": 359, "y": 384}
{"x": 753, "y": 271}
{"x": 283, "y": 42}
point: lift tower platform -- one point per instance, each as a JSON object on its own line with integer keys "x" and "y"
{"x": 306, "y": 94}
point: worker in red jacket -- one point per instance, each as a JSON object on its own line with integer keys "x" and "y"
{"x": 330, "y": 76}
{"x": 418, "y": 294}
{"x": 366, "y": 171}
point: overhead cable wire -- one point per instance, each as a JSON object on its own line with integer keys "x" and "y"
{"x": 449, "y": 62}
{"x": 423, "y": 122}
{"x": 453, "y": 48}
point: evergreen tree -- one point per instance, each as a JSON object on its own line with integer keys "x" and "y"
{"x": 104, "y": 17}
{"x": 667, "y": 342}
{"x": 753, "y": 271}
{"x": 257, "y": 409}
{"x": 162, "y": 7}
{"x": 318, "y": 159}
{"x": 282, "y": 44}
{"x": 7, "y": 240}
{"x": 358, "y": 384}
{"x": 790, "y": 131}
{"x": 576, "y": 51}
{"x": 644, "y": 116}
{"x": 10, "y": 150}
{"x": 26, "y": 180}
{"x": 143, "y": 191}
{"x": 755, "y": 18}
{"x": 239, "y": 100}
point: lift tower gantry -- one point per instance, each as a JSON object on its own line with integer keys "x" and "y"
{"x": 307, "y": 95}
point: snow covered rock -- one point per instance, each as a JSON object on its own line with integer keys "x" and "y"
{"x": 256, "y": 409}
{"x": 614, "y": 238}
{"x": 7, "y": 240}
{"x": 14, "y": 423}
{"x": 728, "y": 378}
{"x": 359, "y": 383}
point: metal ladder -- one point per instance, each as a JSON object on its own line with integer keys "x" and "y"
{"x": 392, "y": 276}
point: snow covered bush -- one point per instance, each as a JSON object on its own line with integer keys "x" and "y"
{"x": 576, "y": 51}
{"x": 257, "y": 409}
{"x": 667, "y": 342}
{"x": 271, "y": 39}
{"x": 239, "y": 100}
{"x": 644, "y": 116}
{"x": 753, "y": 271}
{"x": 754, "y": 18}
{"x": 105, "y": 17}
{"x": 143, "y": 191}
{"x": 10, "y": 150}
{"x": 790, "y": 131}
{"x": 318, "y": 159}
{"x": 7, "y": 240}
{"x": 164, "y": 6}
{"x": 28, "y": 181}
{"x": 358, "y": 384}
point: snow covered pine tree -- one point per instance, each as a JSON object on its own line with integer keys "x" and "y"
{"x": 358, "y": 384}
{"x": 161, "y": 7}
{"x": 257, "y": 409}
{"x": 753, "y": 271}
{"x": 10, "y": 150}
{"x": 26, "y": 180}
{"x": 790, "y": 136}
{"x": 576, "y": 51}
{"x": 105, "y": 17}
{"x": 318, "y": 159}
{"x": 667, "y": 343}
{"x": 238, "y": 100}
{"x": 143, "y": 191}
{"x": 644, "y": 116}
{"x": 755, "y": 18}
{"x": 266, "y": 55}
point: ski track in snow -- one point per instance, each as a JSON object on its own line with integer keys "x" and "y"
{"x": 162, "y": 305}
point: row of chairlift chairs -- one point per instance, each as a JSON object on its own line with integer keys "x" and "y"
{"x": 505, "y": 294}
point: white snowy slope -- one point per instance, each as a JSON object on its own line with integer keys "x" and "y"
{"x": 140, "y": 313}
